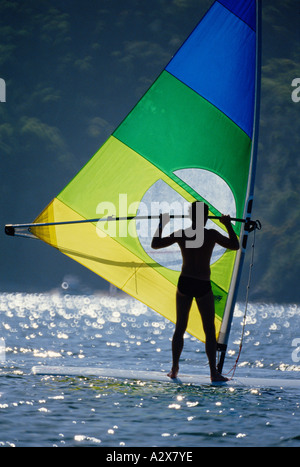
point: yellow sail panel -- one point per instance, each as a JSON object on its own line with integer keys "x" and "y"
{"x": 88, "y": 245}
{"x": 43, "y": 232}
{"x": 108, "y": 258}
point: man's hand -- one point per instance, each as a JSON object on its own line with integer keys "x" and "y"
{"x": 164, "y": 219}
{"x": 158, "y": 241}
{"x": 226, "y": 220}
{"x": 232, "y": 243}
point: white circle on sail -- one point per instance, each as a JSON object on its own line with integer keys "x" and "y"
{"x": 160, "y": 197}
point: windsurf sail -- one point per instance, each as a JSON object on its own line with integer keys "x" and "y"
{"x": 192, "y": 136}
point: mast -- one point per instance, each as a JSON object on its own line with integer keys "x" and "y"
{"x": 237, "y": 272}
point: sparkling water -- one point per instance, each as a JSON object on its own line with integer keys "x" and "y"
{"x": 119, "y": 332}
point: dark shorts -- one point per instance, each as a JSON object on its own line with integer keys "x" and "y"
{"x": 193, "y": 287}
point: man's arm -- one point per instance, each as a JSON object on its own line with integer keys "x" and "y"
{"x": 231, "y": 243}
{"x": 159, "y": 242}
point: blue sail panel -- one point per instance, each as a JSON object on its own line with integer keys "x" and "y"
{"x": 218, "y": 62}
{"x": 245, "y": 10}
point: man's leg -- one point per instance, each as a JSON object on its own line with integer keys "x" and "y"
{"x": 183, "y": 306}
{"x": 206, "y": 306}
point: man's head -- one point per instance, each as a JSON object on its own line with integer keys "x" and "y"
{"x": 193, "y": 212}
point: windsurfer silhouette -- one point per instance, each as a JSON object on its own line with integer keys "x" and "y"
{"x": 194, "y": 281}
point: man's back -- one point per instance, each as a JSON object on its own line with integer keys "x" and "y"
{"x": 196, "y": 261}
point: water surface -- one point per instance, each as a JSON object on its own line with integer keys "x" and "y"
{"x": 118, "y": 332}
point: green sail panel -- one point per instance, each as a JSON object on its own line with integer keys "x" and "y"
{"x": 175, "y": 128}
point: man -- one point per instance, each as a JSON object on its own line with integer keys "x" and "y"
{"x": 194, "y": 282}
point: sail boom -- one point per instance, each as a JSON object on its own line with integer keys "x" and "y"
{"x": 12, "y": 229}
